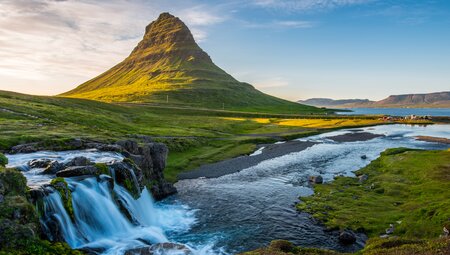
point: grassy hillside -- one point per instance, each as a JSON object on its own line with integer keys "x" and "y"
{"x": 194, "y": 136}
{"x": 168, "y": 67}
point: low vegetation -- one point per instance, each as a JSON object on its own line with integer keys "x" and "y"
{"x": 375, "y": 246}
{"x": 404, "y": 187}
{"x": 194, "y": 136}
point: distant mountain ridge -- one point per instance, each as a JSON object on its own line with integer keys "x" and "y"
{"x": 428, "y": 100}
{"x": 168, "y": 67}
{"x": 328, "y": 102}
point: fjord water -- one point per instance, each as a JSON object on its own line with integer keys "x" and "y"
{"x": 399, "y": 111}
{"x": 229, "y": 214}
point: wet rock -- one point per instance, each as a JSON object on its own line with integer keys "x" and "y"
{"x": 363, "y": 178}
{"x": 78, "y": 171}
{"x": 79, "y": 161}
{"x": 347, "y": 237}
{"x": 53, "y": 167}
{"x": 127, "y": 176}
{"x": 316, "y": 179}
{"x": 161, "y": 248}
{"x": 363, "y": 157}
{"x": 150, "y": 160}
{"x": 39, "y": 163}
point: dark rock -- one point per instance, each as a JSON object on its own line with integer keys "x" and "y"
{"x": 53, "y": 167}
{"x": 363, "y": 157}
{"x": 127, "y": 176}
{"x": 79, "y": 161}
{"x": 161, "y": 248}
{"x": 76, "y": 143}
{"x": 282, "y": 245}
{"x": 24, "y": 148}
{"x": 2, "y": 198}
{"x": 78, "y": 171}
{"x": 363, "y": 178}
{"x": 39, "y": 163}
{"x": 347, "y": 237}
{"x": 316, "y": 179}
{"x": 150, "y": 160}
{"x": 12, "y": 234}
{"x": 129, "y": 145}
{"x": 103, "y": 147}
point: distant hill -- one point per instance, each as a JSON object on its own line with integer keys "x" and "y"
{"x": 328, "y": 102}
{"x": 168, "y": 67}
{"x": 438, "y": 99}
{"x": 430, "y": 100}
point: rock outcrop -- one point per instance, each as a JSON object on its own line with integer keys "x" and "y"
{"x": 150, "y": 161}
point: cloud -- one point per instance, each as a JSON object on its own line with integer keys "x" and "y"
{"x": 51, "y": 46}
{"x": 304, "y": 5}
{"x": 281, "y": 24}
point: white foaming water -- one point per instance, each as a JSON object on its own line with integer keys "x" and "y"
{"x": 34, "y": 176}
{"x": 98, "y": 221}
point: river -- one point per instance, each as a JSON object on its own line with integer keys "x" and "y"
{"x": 244, "y": 210}
{"x": 445, "y": 112}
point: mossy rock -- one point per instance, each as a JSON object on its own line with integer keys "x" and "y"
{"x": 62, "y": 187}
{"x": 3, "y": 160}
{"x": 102, "y": 169}
{"x": 13, "y": 181}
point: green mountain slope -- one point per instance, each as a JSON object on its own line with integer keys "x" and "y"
{"x": 168, "y": 66}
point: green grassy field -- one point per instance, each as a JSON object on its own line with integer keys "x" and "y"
{"x": 195, "y": 136}
{"x": 407, "y": 188}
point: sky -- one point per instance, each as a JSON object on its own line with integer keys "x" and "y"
{"x": 294, "y": 49}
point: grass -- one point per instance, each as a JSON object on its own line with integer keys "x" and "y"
{"x": 375, "y": 246}
{"x": 407, "y": 188}
{"x": 195, "y": 136}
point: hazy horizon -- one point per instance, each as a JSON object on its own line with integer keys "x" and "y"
{"x": 340, "y": 49}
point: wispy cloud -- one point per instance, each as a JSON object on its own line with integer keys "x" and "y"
{"x": 303, "y": 5}
{"x": 67, "y": 42}
{"x": 289, "y": 24}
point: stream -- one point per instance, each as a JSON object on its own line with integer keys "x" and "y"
{"x": 226, "y": 215}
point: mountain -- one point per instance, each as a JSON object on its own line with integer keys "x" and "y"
{"x": 431, "y": 100}
{"x": 438, "y": 99}
{"x": 328, "y": 102}
{"x": 168, "y": 67}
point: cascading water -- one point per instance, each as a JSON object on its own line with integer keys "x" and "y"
{"x": 98, "y": 222}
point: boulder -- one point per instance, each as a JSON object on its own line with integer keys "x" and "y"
{"x": 78, "y": 171}
{"x": 347, "y": 237}
{"x": 363, "y": 178}
{"x": 39, "y": 163}
{"x": 24, "y": 148}
{"x": 129, "y": 145}
{"x": 79, "y": 161}
{"x": 150, "y": 160}
{"x": 53, "y": 167}
{"x": 128, "y": 176}
{"x": 161, "y": 248}
{"x": 363, "y": 157}
{"x": 316, "y": 179}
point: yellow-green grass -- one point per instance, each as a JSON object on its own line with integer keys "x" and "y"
{"x": 191, "y": 134}
{"x": 407, "y": 188}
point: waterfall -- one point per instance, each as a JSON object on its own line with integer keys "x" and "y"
{"x": 100, "y": 224}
